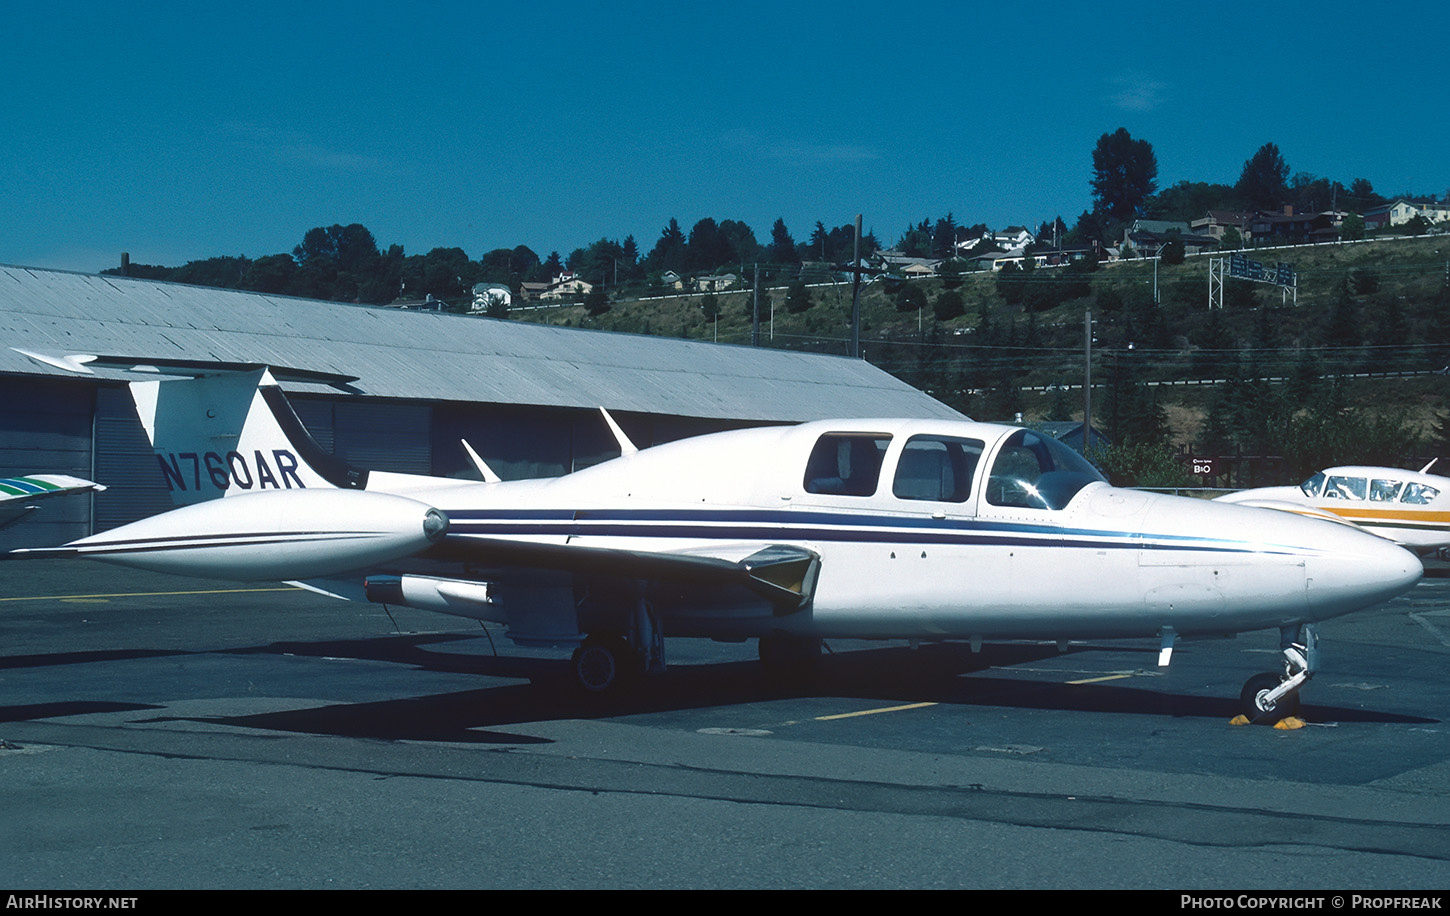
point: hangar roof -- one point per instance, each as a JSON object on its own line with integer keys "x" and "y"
{"x": 435, "y": 356}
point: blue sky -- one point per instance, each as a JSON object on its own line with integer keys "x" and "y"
{"x": 182, "y": 131}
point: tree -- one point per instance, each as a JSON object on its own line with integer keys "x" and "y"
{"x": 1362, "y": 195}
{"x": 270, "y": 274}
{"x": 782, "y": 246}
{"x": 739, "y": 244}
{"x": 706, "y": 248}
{"x": 797, "y": 297}
{"x": 1264, "y": 181}
{"x": 948, "y": 305}
{"x": 669, "y": 251}
{"x": 1009, "y": 282}
{"x": 444, "y": 273}
{"x": 221, "y": 273}
{"x": 819, "y": 237}
{"x": 910, "y": 298}
{"x": 1140, "y": 464}
{"x": 599, "y": 263}
{"x": 335, "y": 261}
{"x": 916, "y": 240}
{"x": 1125, "y": 173}
{"x": 944, "y": 237}
{"x": 596, "y": 301}
{"x": 1189, "y": 200}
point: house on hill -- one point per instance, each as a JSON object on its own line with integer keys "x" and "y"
{"x": 567, "y": 287}
{"x": 1288, "y": 227}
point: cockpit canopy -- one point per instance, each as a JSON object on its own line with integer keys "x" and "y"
{"x": 1371, "y": 489}
{"x": 1031, "y": 470}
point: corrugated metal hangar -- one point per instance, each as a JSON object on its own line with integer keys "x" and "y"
{"x": 525, "y": 396}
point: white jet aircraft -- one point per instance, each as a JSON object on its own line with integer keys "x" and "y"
{"x": 1411, "y": 508}
{"x": 870, "y": 529}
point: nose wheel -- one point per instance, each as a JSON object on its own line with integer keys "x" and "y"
{"x": 1270, "y": 697}
{"x": 1262, "y": 701}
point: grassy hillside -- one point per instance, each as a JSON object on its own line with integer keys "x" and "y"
{"x": 1369, "y": 307}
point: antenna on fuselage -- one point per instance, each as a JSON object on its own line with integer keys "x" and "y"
{"x": 488, "y": 475}
{"x": 626, "y": 448}
{"x": 1426, "y": 468}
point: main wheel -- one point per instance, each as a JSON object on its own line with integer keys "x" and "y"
{"x": 1257, "y": 709}
{"x": 603, "y": 664}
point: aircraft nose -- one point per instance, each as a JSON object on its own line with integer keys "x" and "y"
{"x": 1359, "y": 570}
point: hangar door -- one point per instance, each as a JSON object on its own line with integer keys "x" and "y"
{"x": 370, "y": 434}
{"x": 45, "y": 427}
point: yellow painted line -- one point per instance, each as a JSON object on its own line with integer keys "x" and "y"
{"x": 215, "y": 591}
{"x": 872, "y": 712}
{"x": 1098, "y": 680}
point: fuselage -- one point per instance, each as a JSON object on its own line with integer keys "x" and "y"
{"x": 947, "y": 530}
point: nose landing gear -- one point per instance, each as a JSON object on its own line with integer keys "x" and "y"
{"x": 1269, "y": 697}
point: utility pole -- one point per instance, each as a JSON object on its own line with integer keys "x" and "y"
{"x": 755, "y": 310}
{"x": 1087, "y": 377}
{"x": 856, "y": 293}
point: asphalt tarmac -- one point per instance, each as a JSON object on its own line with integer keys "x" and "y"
{"x": 158, "y": 732}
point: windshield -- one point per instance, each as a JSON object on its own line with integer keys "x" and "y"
{"x": 1033, "y": 471}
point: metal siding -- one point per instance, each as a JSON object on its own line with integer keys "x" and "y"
{"x": 125, "y": 463}
{"x": 384, "y": 437}
{"x": 316, "y": 415}
{"x": 47, "y": 429}
{"x": 517, "y": 443}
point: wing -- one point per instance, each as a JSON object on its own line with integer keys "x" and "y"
{"x": 783, "y": 574}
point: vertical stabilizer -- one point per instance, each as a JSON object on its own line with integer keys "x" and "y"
{"x": 233, "y": 433}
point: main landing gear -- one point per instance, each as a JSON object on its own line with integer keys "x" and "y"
{"x": 1270, "y": 697}
{"x": 608, "y": 661}
{"x": 604, "y": 663}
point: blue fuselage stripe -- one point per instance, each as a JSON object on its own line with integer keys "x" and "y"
{"x": 814, "y": 526}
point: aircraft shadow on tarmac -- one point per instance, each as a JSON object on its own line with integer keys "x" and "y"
{"x": 940, "y": 673}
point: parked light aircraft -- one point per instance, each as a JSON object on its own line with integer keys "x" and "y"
{"x": 1411, "y": 508}
{"x": 18, "y": 493}
{"x": 889, "y": 528}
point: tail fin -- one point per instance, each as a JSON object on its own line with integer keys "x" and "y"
{"x": 233, "y": 433}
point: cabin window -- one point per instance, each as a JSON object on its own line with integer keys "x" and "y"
{"x": 1313, "y": 485}
{"x": 1345, "y": 488}
{"x": 1419, "y": 494}
{"x": 846, "y": 464}
{"x": 1384, "y": 491}
{"x": 1032, "y": 471}
{"x": 937, "y": 468}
